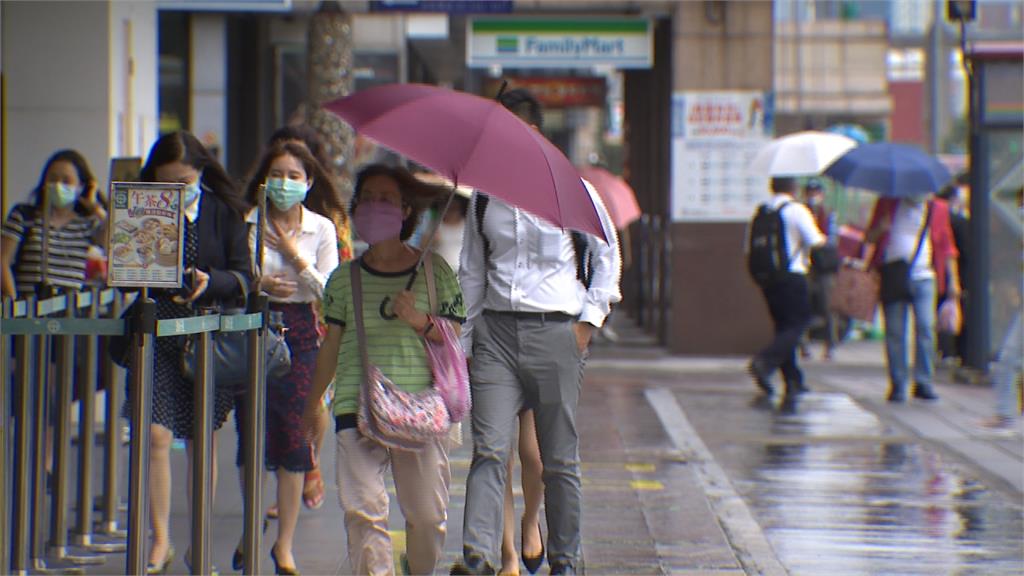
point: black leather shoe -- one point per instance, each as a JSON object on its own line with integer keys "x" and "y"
{"x": 925, "y": 393}
{"x": 278, "y": 569}
{"x": 563, "y": 568}
{"x": 896, "y": 397}
{"x": 761, "y": 376}
{"x": 533, "y": 563}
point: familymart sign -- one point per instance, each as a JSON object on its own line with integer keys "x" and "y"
{"x": 557, "y": 42}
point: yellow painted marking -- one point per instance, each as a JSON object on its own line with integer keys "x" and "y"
{"x": 397, "y": 548}
{"x": 646, "y": 485}
{"x": 641, "y": 467}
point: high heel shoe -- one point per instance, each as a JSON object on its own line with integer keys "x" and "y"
{"x": 237, "y": 559}
{"x": 533, "y": 563}
{"x": 161, "y": 568}
{"x": 278, "y": 569}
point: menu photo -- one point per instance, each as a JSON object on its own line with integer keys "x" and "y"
{"x": 145, "y": 235}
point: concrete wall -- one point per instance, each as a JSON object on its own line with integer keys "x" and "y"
{"x": 73, "y": 81}
{"x": 716, "y": 308}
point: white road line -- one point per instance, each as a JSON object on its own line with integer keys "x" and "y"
{"x": 744, "y": 533}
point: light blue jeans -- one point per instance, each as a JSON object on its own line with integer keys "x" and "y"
{"x": 922, "y": 292}
{"x": 1005, "y": 370}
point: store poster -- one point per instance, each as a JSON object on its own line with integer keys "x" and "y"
{"x": 715, "y": 136}
{"x": 145, "y": 235}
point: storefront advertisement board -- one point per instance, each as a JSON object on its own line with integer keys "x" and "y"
{"x": 522, "y": 42}
{"x": 145, "y": 232}
{"x": 715, "y": 135}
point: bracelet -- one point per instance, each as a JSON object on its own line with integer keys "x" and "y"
{"x": 426, "y": 329}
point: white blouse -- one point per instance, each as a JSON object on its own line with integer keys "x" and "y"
{"x": 317, "y": 243}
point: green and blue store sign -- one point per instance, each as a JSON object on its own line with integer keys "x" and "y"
{"x": 516, "y": 42}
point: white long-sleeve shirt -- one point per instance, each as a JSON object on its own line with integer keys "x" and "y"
{"x": 532, "y": 266}
{"x": 317, "y": 243}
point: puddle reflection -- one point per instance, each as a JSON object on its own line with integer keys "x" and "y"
{"x": 859, "y": 506}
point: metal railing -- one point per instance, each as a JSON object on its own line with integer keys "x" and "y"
{"x": 30, "y": 328}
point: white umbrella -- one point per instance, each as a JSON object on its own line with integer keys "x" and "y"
{"x": 801, "y": 154}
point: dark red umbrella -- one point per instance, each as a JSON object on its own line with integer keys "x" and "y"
{"x": 477, "y": 142}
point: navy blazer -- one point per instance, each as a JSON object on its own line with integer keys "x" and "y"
{"x": 223, "y": 246}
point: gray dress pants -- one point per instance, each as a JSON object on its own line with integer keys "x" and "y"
{"x": 524, "y": 362}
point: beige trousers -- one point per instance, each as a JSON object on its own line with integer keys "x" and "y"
{"x": 421, "y": 485}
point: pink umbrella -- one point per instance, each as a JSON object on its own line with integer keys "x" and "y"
{"x": 477, "y": 142}
{"x": 618, "y": 196}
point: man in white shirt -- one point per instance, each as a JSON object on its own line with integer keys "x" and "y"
{"x": 787, "y": 297}
{"x": 529, "y": 319}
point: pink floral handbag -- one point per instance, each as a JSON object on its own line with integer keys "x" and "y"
{"x": 447, "y": 358}
{"x": 387, "y": 414}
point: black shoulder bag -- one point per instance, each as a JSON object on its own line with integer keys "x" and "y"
{"x": 895, "y": 276}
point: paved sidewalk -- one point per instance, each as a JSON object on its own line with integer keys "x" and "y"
{"x": 682, "y": 464}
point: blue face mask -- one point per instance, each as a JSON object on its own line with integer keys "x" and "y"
{"x": 60, "y": 194}
{"x": 192, "y": 192}
{"x": 285, "y": 193}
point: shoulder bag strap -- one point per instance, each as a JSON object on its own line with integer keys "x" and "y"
{"x": 357, "y": 314}
{"x": 924, "y": 230}
{"x": 428, "y": 265}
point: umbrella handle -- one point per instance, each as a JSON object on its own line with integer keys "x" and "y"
{"x": 429, "y": 238}
{"x": 504, "y": 84}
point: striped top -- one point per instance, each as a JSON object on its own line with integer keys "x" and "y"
{"x": 393, "y": 346}
{"x": 68, "y": 249}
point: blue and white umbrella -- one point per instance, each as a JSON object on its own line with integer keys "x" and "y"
{"x": 890, "y": 169}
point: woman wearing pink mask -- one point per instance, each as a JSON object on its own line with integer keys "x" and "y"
{"x": 386, "y": 206}
{"x": 299, "y": 253}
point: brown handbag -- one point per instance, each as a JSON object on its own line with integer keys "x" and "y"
{"x": 855, "y": 292}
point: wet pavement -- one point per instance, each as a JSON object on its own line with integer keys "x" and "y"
{"x": 686, "y": 471}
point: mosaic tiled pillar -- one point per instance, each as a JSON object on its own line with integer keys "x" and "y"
{"x": 329, "y": 69}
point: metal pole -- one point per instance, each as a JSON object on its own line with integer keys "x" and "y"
{"x": 254, "y": 437}
{"x": 37, "y": 547}
{"x": 143, "y": 331}
{"x": 82, "y": 534}
{"x": 24, "y": 348}
{"x": 111, "y": 505}
{"x": 62, "y": 446}
{"x": 202, "y": 489}
{"x": 5, "y": 427}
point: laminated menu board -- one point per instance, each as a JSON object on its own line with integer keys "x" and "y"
{"x": 145, "y": 234}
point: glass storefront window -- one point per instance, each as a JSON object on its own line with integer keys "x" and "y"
{"x": 174, "y": 72}
{"x": 1006, "y": 241}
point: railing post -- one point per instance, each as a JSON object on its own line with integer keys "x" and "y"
{"x": 254, "y": 437}
{"x": 40, "y": 564}
{"x": 5, "y": 432}
{"x": 202, "y": 489}
{"x": 143, "y": 323}
{"x": 111, "y": 500}
{"x": 24, "y": 350}
{"x": 65, "y": 382}
{"x": 83, "y": 531}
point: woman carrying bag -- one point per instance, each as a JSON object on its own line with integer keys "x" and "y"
{"x": 386, "y": 206}
{"x": 299, "y": 253}
{"x": 216, "y": 262}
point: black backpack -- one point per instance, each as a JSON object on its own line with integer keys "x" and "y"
{"x": 767, "y": 254}
{"x": 584, "y": 259}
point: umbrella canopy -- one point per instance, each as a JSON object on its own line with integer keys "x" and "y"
{"x": 800, "y": 154}
{"x": 890, "y": 169}
{"x": 618, "y": 196}
{"x": 474, "y": 141}
{"x": 855, "y": 131}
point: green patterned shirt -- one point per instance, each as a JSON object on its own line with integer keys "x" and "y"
{"x": 393, "y": 346}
